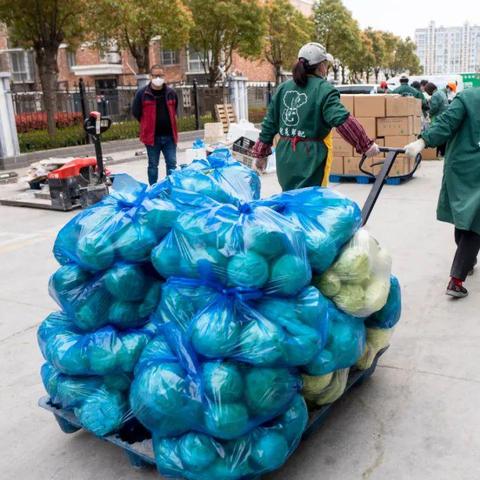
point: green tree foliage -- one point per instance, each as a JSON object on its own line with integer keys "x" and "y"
{"x": 133, "y": 24}
{"x": 378, "y": 49}
{"x": 43, "y": 25}
{"x": 222, "y": 27}
{"x": 336, "y": 30}
{"x": 287, "y": 30}
{"x": 405, "y": 58}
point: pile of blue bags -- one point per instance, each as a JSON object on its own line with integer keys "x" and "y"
{"x": 213, "y": 317}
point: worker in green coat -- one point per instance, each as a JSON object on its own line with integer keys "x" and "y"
{"x": 438, "y": 104}
{"x": 304, "y": 111}
{"x": 405, "y": 90}
{"x": 459, "y": 202}
{"x": 438, "y": 100}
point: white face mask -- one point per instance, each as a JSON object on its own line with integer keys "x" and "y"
{"x": 158, "y": 81}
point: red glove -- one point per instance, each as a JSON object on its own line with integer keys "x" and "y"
{"x": 262, "y": 150}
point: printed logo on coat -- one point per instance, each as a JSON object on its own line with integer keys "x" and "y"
{"x": 293, "y": 101}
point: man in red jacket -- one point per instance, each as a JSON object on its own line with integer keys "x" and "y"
{"x": 155, "y": 107}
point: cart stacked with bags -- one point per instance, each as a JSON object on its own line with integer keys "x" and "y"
{"x": 204, "y": 329}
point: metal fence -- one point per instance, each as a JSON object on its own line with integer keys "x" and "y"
{"x": 194, "y": 101}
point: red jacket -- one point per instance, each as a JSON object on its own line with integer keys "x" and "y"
{"x": 144, "y": 109}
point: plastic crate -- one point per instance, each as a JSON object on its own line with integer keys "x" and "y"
{"x": 243, "y": 151}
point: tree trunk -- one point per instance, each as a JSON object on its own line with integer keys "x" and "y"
{"x": 213, "y": 74}
{"x": 48, "y": 71}
{"x": 278, "y": 74}
{"x": 368, "y": 76}
{"x": 377, "y": 72}
{"x": 343, "y": 74}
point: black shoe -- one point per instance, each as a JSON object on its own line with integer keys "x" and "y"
{"x": 456, "y": 291}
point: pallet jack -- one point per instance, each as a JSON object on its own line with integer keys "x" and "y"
{"x": 77, "y": 184}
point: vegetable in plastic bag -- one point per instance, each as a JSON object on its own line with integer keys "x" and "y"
{"x": 389, "y": 315}
{"x": 359, "y": 280}
{"x": 328, "y": 219}
{"x": 196, "y": 456}
{"x": 125, "y": 225}
{"x": 325, "y": 389}
{"x": 377, "y": 340}
{"x": 235, "y": 178}
{"x": 250, "y": 246}
{"x": 345, "y": 343}
{"x": 102, "y": 352}
{"x": 246, "y": 325}
{"x": 100, "y": 404}
{"x": 124, "y": 296}
{"x": 174, "y": 391}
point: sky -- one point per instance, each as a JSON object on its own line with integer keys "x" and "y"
{"x": 402, "y": 17}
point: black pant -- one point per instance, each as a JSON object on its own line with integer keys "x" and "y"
{"x": 468, "y": 245}
{"x": 441, "y": 150}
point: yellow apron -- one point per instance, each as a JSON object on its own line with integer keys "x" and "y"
{"x": 328, "y": 141}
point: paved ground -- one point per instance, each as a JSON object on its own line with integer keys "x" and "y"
{"x": 417, "y": 418}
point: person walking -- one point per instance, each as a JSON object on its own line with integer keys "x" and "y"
{"x": 438, "y": 104}
{"x": 459, "y": 201}
{"x": 155, "y": 107}
{"x": 304, "y": 111}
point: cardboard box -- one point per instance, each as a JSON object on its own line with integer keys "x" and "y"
{"x": 347, "y": 101}
{"x": 341, "y": 148}
{"x": 401, "y": 166}
{"x": 369, "y": 124}
{"x": 337, "y": 166}
{"x": 350, "y": 166}
{"x": 394, "y": 126}
{"x": 417, "y": 125}
{"x": 430, "y": 154}
{"x": 369, "y": 105}
{"x": 399, "y": 141}
{"x": 397, "y": 106}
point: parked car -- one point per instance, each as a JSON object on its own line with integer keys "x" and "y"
{"x": 356, "y": 89}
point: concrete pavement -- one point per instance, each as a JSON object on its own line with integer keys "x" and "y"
{"x": 416, "y": 418}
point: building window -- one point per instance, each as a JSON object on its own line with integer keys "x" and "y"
{"x": 71, "y": 58}
{"x": 169, "y": 57}
{"x": 21, "y": 62}
{"x": 194, "y": 63}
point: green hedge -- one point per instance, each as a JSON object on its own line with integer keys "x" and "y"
{"x": 75, "y": 135}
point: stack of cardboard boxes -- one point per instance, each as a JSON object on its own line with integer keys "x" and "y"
{"x": 393, "y": 121}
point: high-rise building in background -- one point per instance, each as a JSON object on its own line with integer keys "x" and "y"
{"x": 444, "y": 50}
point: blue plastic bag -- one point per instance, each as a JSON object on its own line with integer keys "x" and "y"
{"x": 239, "y": 181}
{"x": 250, "y": 246}
{"x": 124, "y": 226}
{"x": 176, "y": 391}
{"x": 345, "y": 343}
{"x": 328, "y": 219}
{"x": 197, "y": 456}
{"x": 102, "y": 352}
{"x": 123, "y": 296}
{"x": 246, "y": 325}
{"x": 99, "y": 403}
{"x": 390, "y": 314}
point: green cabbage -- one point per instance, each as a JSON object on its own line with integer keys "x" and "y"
{"x": 376, "y": 295}
{"x": 353, "y": 265}
{"x": 329, "y": 283}
{"x": 350, "y": 299}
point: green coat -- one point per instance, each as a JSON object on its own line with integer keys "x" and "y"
{"x": 459, "y": 126}
{"x": 309, "y": 113}
{"x": 438, "y": 103}
{"x": 408, "y": 91}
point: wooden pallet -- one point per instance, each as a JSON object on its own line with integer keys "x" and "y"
{"x": 225, "y": 114}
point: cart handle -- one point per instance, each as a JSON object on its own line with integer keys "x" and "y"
{"x": 392, "y": 154}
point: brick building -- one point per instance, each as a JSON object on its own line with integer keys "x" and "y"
{"x": 113, "y": 68}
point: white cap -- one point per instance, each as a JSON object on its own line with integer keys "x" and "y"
{"x": 314, "y": 53}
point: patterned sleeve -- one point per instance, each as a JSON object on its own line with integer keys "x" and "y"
{"x": 353, "y": 133}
